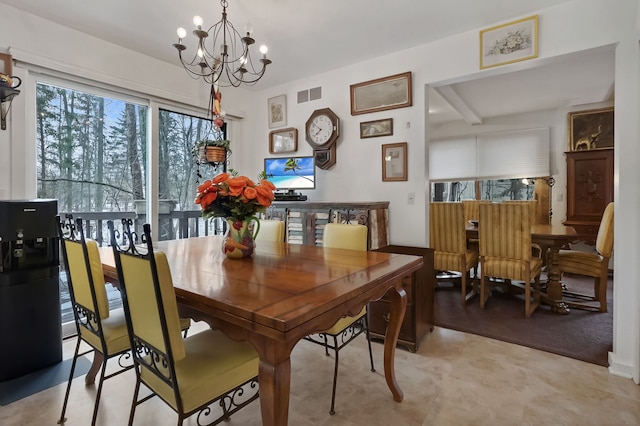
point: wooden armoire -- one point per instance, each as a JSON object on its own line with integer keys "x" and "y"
{"x": 589, "y": 190}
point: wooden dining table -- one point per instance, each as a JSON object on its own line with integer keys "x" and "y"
{"x": 553, "y": 237}
{"x": 279, "y": 295}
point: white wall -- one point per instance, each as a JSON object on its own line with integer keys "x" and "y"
{"x": 570, "y": 27}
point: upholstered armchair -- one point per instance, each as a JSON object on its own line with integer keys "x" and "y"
{"x": 471, "y": 209}
{"x": 594, "y": 265}
{"x": 206, "y": 373}
{"x": 448, "y": 239}
{"x": 506, "y": 250}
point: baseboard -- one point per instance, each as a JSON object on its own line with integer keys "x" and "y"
{"x": 620, "y": 369}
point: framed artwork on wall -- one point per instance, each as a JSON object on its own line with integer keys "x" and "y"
{"x": 590, "y": 129}
{"x": 375, "y": 128}
{"x": 381, "y": 94}
{"x": 507, "y": 43}
{"x": 284, "y": 140}
{"x": 277, "y": 111}
{"x": 394, "y": 162}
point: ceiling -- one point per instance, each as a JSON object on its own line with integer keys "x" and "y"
{"x": 311, "y": 37}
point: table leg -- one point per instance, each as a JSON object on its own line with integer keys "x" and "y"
{"x": 398, "y": 308}
{"x": 275, "y": 385}
{"x": 553, "y": 296}
{"x": 98, "y": 359}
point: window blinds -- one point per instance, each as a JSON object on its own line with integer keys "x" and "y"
{"x": 504, "y": 155}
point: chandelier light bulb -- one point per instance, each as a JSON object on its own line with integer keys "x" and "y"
{"x": 200, "y": 53}
{"x": 181, "y": 33}
{"x": 264, "y": 49}
{"x": 198, "y": 21}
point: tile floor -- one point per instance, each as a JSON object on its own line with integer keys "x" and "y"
{"x": 454, "y": 379}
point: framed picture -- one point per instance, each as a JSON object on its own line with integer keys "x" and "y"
{"x": 285, "y": 140}
{"x": 394, "y": 162}
{"x": 277, "y": 111}
{"x": 591, "y": 129}
{"x": 375, "y": 128}
{"x": 381, "y": 94}
{"x": 508, "y": 43}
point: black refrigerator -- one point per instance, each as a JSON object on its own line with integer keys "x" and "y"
{"x": 30, "y": 322}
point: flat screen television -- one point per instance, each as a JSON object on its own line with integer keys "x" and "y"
{"x": 291, "y": 173}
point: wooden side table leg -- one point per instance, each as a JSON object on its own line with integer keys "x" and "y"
{"x": 98, "y": 360}
{"x": 398, "y": 308}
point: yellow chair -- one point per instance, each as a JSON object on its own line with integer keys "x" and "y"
{"x": 350, "y": 237}
{"x": 506, "y": 250}
{"x": 592, "y": 264}
{"x": 191, "y": 374}
{"x": 471, "y": 209}
{"x": 533, "y": 207}
{"x": 103, "y": 330}
{"x": 271, "y": 230}
{"x": 448, "y": 239}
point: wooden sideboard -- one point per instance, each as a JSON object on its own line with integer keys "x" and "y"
{"x": 305, "y": 220}
{"x": 420, "y": 287}
{"x": 589, "y": 190}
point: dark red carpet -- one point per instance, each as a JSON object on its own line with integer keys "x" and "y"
{"x": 583, "y": 335}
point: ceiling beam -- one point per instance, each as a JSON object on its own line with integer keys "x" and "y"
{"x": 457, "y": 103}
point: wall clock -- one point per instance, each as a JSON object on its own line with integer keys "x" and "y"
{"x": 321, "y": 132}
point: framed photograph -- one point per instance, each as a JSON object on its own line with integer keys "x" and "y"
{"x": 394, "y": 162}
{"x": 507, "y": 43}
{"x": 591, "y": 129}
{"x": 277, "y": 111}
{"x": 375, "y": 128}
{"x": 381, "y": 94}
{"x": 285, "y": 140}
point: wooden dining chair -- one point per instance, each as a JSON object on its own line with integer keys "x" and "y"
{"x": 471, "y": 209}
{"x": 191, "y": 375}
{"x": 447, "y": 237}
{"x": 594, "y": 265}
{"x": 271, "y": 230}
{"x": 103, "y": 330}
{"x": 506, "y": 251}
{"x": 350, "y": 237}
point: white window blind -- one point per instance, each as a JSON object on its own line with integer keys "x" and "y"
{"x": 452, "y": 159}
{"x": 505, "y": 155}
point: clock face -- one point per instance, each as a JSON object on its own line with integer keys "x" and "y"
{"x": 321, "y": 129}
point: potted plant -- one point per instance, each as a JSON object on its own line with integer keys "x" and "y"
{"x": 213, "y": 150}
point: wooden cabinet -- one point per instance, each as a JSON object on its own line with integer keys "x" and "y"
{"x": 589, "y": 190}
{"x": 305, "y": 220}
{"x": 418, "y": 318}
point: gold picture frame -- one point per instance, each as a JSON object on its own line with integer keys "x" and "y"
{"x": 284, "y": 140}
{"x": 508, "y": 43}
{"x": 591, "y": 129}
{"x": 381, "y": 94}
{"x": 394, "y": 162}
{"x": 376, "y": 128}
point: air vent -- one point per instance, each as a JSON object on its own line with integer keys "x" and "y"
{"x": 309, "y": 95}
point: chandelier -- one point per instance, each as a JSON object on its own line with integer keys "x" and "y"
{"x": 227, "y": 60}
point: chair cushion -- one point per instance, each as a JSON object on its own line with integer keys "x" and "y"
{"x": 513, "y": 269}
{"x": 213, "y": 365}
{"x": 582, "y": 263}
{"x": 80, "y": 276}
{"x": 346, "y": 322}
{"x": 453, "y": 261}
{"x": 115, "y": 333}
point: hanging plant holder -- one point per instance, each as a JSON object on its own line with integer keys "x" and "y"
{"x": 215, "y": 154}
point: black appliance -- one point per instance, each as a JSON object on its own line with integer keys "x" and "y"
{"x": 30, "y": 321}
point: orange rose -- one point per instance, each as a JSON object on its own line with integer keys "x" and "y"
{"x": 220, "y": 178}
{"x": 207, "y": 199}
{"x": 250, "y": 193}
{"x": 264, "y": 192}
{"x": 268, "y": 184}
{"x": 263, "y": 201}
{"x": 206, "y": 184}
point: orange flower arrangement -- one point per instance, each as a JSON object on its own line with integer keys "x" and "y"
{"x": 234, "y": 197}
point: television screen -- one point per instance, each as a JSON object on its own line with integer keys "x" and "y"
{"x": 291, "y": 173}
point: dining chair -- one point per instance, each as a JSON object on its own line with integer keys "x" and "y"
{"x": 471, "y": 209}
{"x": 271, "y": 230}
{"x": 447, "y": 237}
{"x": 533, "y": 207}
{"x": 189, "y": 374}
{"x": 594, "y": 265}
{"x": 350, "y": 237}
{"x": 506, "y": 251}
{"x": 103, "y": 330}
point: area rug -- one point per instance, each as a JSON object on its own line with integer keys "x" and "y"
{"x": 582, "y": 335}
{"x": 29, "y": 384}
